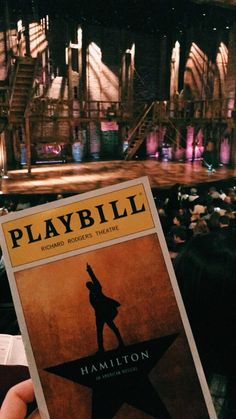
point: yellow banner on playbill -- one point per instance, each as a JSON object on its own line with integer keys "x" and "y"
{"x": 80, "y": 224}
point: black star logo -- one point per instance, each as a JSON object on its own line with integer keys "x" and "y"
{"x": 120, "y": 376}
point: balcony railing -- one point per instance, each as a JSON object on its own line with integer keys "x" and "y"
{"x": 163, "y": 110}
{"x": 205, "y": 109}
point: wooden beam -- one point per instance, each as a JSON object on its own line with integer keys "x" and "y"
{"x": 28, "y": 143}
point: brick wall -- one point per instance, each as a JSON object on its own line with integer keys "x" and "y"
{"x": 2, "y": 58}
{"x": 103, "y": 63}
{"x": 147, "y": 59}
{"x": 206, "y": 65}
{"x": 231, "y": 70}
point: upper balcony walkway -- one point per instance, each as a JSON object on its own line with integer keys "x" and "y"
{"x": 212, "y": 109}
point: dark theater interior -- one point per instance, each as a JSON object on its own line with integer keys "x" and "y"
{"x": 97, "y": 92}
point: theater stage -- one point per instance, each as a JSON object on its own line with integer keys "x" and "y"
{"x": 82, "y": 177}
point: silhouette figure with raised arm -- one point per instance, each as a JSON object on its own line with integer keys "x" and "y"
{"x": 105, "y": 309}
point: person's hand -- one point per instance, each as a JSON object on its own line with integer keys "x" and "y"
{"x": 15, "y": 403}
{"x": 34, "y": 415}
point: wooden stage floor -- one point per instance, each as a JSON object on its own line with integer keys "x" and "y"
{"x": 82, "y": 177}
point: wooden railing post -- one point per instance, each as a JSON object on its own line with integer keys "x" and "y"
{"x": 3, "y": 154}
{"x": 28, "y": 142}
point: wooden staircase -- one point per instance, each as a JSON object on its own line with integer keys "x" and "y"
{"x": 140, "y": 131}
{"x": 21, "y": 86}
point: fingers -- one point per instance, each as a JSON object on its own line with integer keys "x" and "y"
{"x": 15, "y": 403}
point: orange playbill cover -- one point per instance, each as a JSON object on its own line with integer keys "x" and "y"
{"x": 101, "y": 316}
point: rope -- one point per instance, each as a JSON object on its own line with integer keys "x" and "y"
{"x": 140, "y": 78}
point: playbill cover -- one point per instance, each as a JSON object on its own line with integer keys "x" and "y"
{"x": 103, "y": 324}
